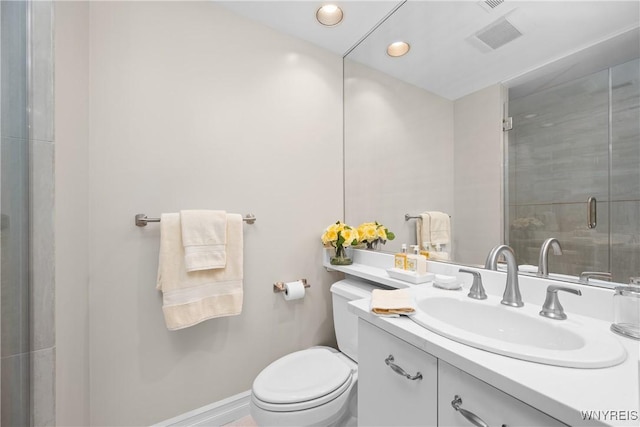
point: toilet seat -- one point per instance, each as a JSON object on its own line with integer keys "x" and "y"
{"x": 302, "y": 380}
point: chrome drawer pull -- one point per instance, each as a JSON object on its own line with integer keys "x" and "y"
{"x": 398, "y": 370}
{"x": 470, "y": 416}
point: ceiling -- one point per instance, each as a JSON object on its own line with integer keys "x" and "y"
{"x": 298, "y": 18}
{"x": 446, "y": 57}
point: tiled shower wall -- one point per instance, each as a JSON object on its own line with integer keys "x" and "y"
{"x": 27, "y": 194}
{"x": 559, "y": 157}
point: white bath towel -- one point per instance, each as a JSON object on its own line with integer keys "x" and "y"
{"x": 189, "y": 298}
{"x": 204, "y": 237}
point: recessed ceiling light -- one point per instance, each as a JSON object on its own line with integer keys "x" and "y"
{"x": 530, "y": 116}
{"x": 329, "y": 15}
{"x": 398, "y": 49}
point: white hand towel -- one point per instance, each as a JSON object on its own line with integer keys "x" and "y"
{"x": 440, "y": 228}
{"x": 192, "y": 297}
{"x": 204, "y": 237}
{"x": 423, "y": 231}
{"x": 392, "y": 303}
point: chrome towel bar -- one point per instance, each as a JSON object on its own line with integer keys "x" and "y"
{"x": 142, "y": 220}
{"x": 407, "y": 217}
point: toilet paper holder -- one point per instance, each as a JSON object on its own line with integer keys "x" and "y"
{"x": 279, "y": 286}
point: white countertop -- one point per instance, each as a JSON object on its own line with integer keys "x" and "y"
{"x": 562, "y": 393}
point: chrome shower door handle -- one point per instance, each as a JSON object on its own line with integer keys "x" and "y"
{"x": 398, "y": 370}
{"x": 470, "y": 416}
{"x": 592, "y": 212}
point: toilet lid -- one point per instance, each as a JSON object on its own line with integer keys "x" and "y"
{"x": 301, "y": 376}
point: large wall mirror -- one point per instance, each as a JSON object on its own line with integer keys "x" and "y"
{"x": 424, "y": 131}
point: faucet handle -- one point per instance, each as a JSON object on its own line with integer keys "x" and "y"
{"x": 477, "y": 290}
{"x": 586, "y": 275}
{"x": 552, "y": 307}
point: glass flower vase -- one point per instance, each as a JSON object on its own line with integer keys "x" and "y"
{"x": 373, "y": 245}
{"x": 341, "y": 257}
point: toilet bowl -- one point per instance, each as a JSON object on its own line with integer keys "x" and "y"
{"x": 311, "y": 387}
{"x": 316, "y": 386}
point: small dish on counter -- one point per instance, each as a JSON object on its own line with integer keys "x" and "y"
{"x": 408, "y": 276}
{"x": 446, "y": 282}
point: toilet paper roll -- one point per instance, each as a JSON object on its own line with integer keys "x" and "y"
{"x": 293, "y": 290}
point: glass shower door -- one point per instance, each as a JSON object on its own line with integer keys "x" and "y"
{"x": 625, "y": 170}
{"x": 558, "y": 161}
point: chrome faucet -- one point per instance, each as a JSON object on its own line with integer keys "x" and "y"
{"x": 543, "y": 260}
{"x": 477, "y": 290}
{"x": 511, "y": 294}
{"x": 552, "y": 307}
{"x": 586, "y": 275}
{"x": 491, "y": 263}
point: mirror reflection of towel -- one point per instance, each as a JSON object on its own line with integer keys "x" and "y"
{"x": 433, "y": 230}
{"x": 439, "y": 256}
{"x": 440, "y": 228}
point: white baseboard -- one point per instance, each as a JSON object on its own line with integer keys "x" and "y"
{"x": 216, "y": 414}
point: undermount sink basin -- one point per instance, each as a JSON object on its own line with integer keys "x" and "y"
{"x": 519, "y": 332}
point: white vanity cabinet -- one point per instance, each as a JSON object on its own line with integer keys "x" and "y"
{"x": 479, "y": 399}
{"x": 387, "y": 397}
{"x": 390, "y": 394}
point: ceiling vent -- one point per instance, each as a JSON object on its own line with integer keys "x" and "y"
{"x": 498, "y": 34}
{"x": 489, "y": 5}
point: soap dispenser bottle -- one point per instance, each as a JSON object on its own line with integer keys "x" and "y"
{"x": 416, "y": 263}
{"x": 400, "y": 260}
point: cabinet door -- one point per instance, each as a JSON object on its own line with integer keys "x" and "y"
{"x": 477, "y": 398}
{"x": 385, "y": 396}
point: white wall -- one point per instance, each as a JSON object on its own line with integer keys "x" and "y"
{"x": 409, "y": 151}
{"x": 477, "y": 225}
{"x": 398, "y": 152}
{"x": 72, "y": 212}
{"x": 194, "y": 107}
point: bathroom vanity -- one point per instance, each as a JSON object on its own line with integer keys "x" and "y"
{"x": 410, "y": 375}
{"x": 388, "y": 398}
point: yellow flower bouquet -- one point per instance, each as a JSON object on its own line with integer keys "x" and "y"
{"x": 339, "y": 236}
{"x": 373, "y": 234}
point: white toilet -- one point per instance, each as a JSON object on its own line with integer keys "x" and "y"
{"x": 316, "y": 386}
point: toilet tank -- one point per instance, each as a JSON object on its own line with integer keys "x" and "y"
{"x": 345, "y": 323}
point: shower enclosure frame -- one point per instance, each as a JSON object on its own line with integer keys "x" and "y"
{"x": 27, "y": 317}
